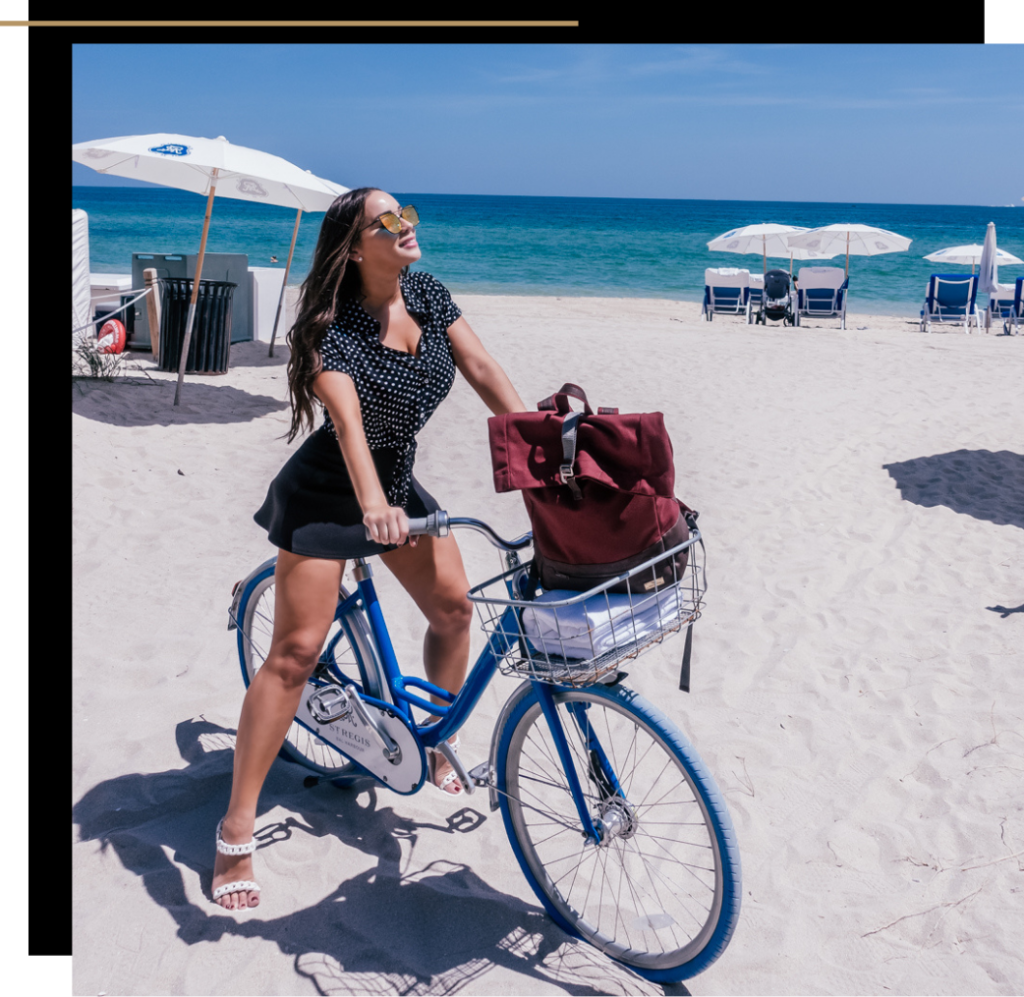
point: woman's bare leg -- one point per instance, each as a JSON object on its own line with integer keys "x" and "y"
{"x": 432, "y": 573}
{"x": 305, "y": 597}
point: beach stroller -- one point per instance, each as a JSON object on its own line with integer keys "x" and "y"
{"x": 777, "y": 299}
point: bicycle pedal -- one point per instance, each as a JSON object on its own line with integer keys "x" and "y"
{"x": 329, "y": 704}
{"x": 482, "y": 774}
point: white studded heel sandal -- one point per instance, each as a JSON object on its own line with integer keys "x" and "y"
{"x": 435, "y": 760}
{"x": 241, "y": 885}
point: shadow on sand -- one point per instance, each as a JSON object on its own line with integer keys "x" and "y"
{"x": 980, "y": 483}
{"x": 151, "y": 402}
{"x": 455, "y": 927}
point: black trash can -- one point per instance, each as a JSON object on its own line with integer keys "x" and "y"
{"x": 210, "y": 345}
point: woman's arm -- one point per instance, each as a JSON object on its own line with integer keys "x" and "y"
{"x": 482, "y": 371}
{"x": 387, "y": 524}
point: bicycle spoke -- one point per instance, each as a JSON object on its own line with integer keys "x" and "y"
{"x": 636, "y": 905}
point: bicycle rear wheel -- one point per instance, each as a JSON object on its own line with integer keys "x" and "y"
{"x": 661, "y": 893}
{"x": 348, "y": 652}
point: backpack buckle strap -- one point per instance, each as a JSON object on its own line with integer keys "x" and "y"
{"x": 565, "y": 471}
{"x": 566, "y": 476}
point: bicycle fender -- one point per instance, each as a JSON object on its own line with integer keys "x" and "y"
{"x": 242, "y": 588}
{"x": 522, "y": 690}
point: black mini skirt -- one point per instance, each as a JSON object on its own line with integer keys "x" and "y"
{"x": 311, "y": 508}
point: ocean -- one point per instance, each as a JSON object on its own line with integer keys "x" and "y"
{"x": 609, "y": 247}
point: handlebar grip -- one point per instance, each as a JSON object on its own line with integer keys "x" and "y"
{"x": 434, "y": 525}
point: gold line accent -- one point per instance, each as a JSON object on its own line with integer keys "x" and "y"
{"x": 289, "y": 24}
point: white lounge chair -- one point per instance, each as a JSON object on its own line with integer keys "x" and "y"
{"x": 756, "y": 291}
{"x": 1000, "y": 304}
{"x": 726, "y": 292}
{"x": 821, "y": 293}
{"x": 949, "y": 297}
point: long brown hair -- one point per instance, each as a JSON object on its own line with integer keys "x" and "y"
{"x": 330, "y": 279}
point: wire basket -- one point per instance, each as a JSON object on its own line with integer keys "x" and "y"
{"x": 579, "y": 638}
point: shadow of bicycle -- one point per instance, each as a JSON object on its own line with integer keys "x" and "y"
{"x": 436, "y": 929}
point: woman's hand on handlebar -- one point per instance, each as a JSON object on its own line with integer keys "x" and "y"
{"x": 388, "y": 525}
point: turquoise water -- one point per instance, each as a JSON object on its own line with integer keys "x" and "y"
{"x": 613, "y": 247}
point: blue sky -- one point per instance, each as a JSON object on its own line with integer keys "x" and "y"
{"x": 916, "y": 124}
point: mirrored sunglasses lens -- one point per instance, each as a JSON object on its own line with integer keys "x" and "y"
{"x": 411, "y": 215}
{"x": 391, "y": 222}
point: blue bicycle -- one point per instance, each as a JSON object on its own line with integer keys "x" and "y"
{"x": 616, "y": 823}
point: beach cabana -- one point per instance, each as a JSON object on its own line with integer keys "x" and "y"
{"x": 81, "y": 295}
{"x": 726, "y": 292}
{"x": 950, "y": 298}
{"x": 204, "y": 166}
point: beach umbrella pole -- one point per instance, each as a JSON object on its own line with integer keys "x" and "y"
{"x": 284, "y": 283}
{"x": 846, "y": 273}
{"x": 195, "y": 289}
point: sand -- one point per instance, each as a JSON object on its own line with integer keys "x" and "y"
{"x": 856, "y": 692}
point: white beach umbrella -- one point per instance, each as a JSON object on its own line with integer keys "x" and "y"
{"x": 988, "y": 265}
{"x": 988, "y": 269}
{"x": 204, "y": 166}
{"x": 971, "y": 255}
{"x": 861, "y": 240}
{"x": 768, "y": 239}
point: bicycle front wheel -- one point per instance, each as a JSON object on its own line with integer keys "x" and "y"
{"x": 661, "y": 892}
{"x": 347, "y": 653}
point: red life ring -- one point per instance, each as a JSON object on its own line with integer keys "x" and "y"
{"x": 111, "y": 337}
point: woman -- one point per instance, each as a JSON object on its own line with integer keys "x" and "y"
{"x": 378, "y": 347}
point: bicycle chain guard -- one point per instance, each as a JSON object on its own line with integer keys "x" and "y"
{"x": 373, "y": 735}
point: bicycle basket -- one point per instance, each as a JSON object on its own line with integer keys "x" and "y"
{"x": 578, "y": 638}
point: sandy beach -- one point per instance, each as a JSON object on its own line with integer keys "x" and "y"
{"x": 857, "y": 675}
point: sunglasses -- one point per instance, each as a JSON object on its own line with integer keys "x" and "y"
{"x": 392, "y": 221}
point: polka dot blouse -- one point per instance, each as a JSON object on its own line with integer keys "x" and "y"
{"x": 398, "y": 392}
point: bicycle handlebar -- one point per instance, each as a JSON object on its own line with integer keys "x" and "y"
{"x": 439, "y": 524}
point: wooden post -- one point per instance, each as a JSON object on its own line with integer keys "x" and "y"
{"x": 153, "y": 310}
{"x": 284, "y": 283}
{"x": 195, "y": 289}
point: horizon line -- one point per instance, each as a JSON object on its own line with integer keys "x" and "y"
{"x": 583, "y": 197}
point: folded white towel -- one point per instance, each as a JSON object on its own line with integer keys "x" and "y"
{"x": 590, "y": 628}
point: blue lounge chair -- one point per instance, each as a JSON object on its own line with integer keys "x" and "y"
{"x": 726, "y": 292}
{"x": 1016, "y": 310}
{"x": 949, "y": 297}
{"x": 821, "y": 293}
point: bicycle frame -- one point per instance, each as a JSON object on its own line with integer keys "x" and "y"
{"x": 456, "y": 711}
{"x": 457, "y": 708}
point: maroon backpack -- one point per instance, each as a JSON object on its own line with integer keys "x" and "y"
{"x": 599, "y": 490}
